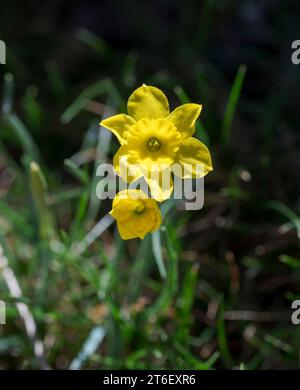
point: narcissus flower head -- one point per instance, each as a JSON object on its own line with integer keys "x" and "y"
{"x": 153, "y": 139}
{"x": 136, "y": 214}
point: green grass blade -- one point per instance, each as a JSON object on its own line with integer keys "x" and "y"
{"x": 157, "y": 251}
{"x": 232, "y": 103}
{"x": 24, "y": 136}
{"x": 80, "y": 174}
{"x": 291, "y": 261}
{"x": 93, "y": 41}
{"x": 93, "y": 341}
{"x": 222, "y": 338}
{"x": 56, "y": 81}
{"x": 284, "y": 210}
{"x": 8, "y": 93}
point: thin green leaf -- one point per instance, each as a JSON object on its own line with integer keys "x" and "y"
{"x": 157, "y": 251}
{"x": 232, "y": 103}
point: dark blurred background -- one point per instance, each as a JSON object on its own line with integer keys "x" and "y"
{"x": 245, "y": 239}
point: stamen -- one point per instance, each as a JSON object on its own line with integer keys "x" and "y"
{"x": 153, "y": 145}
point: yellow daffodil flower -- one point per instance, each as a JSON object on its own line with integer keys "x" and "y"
{"x": 153, "y": 139}
{"x": 136, "y": 214}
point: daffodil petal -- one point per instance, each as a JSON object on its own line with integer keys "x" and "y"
{"x": 128, "y": 172}
{"x": 194, "y": 158}
{"x": 160, "y": 189}
{"x": 125, "y": 232}
{"x": 157, "y": 218}
{"x": 130, "y": 194}
{"x": 139, "y": 225}
{"x": 184, "y": 118}
{"x": 121, "y": 210}
{"x": 119, "y": 126}
{"x": 148, "y": 102}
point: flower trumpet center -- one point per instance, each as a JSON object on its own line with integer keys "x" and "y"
{"x": 153, "y": 145}
{"x": 139, "y": 209}
{"x": 152, "y": 142}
